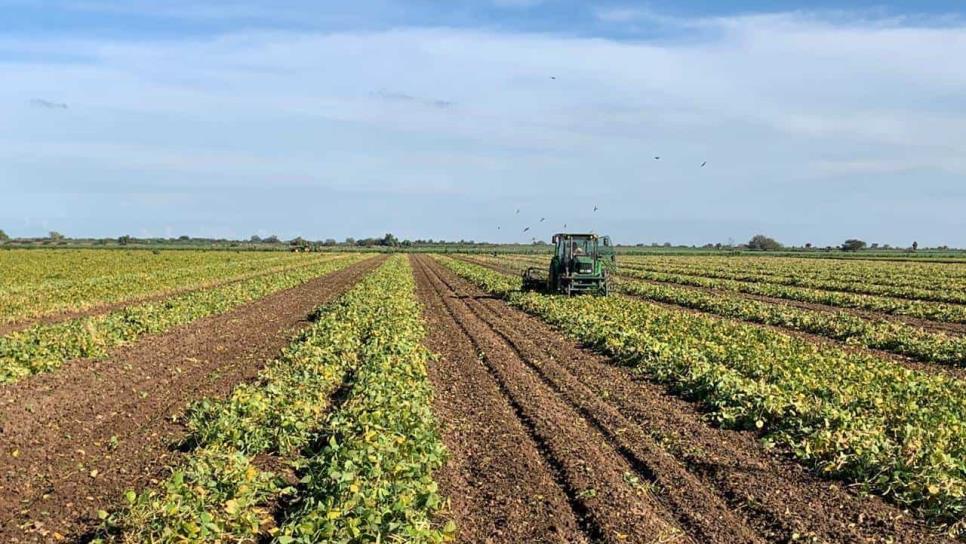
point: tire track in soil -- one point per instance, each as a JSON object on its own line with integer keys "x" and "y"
{"x": 500, "y": 488}
{"x": 775, "y": 497}
{"x": 100, "y": 309}
{"x": 120, "y": 416}
{"x": 598, "y": 481}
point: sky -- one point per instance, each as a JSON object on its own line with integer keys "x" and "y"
{"x": 432, "y": 119}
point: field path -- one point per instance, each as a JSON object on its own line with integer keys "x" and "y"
{"x": 73, "y": 441}
{"x": 633, "y": 463}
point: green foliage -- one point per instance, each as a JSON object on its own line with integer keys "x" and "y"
{"x": 46, "y": 347}
{"x": 3, "y": 236}
{"x": 761, "y": 242}
{"x": 850, "y": 415}
{"x": 891, "y": 336}
{"x": 853, "y": 245}
{"x": 365, "y": 463}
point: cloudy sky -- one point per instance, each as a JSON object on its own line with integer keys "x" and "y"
{"x": 441, "y": 119}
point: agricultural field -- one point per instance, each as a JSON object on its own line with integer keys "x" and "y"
{"x": 192, "y": 396}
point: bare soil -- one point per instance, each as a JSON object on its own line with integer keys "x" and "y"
{"x": 74, "y": 440}
{"x": 530, "y": 416}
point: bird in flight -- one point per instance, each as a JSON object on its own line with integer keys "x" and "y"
{"x": 526, "y": 229}
{"x": 541, "y": 219}
{"x": 553, "y": 77}
{"x": 518, "y": 210}
{"x": 595, "y": 207}
{"x": 565, "y": 226}
{"x": 657, "y": 157}
{"x": 498, "y": 227}
{"x": 704, "y": 163}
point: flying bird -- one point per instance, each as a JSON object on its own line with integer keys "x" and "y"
{"x": 704, "y": 163}
{"x": 565, "y": 226}
{"x": 518, "y": 210}
{"x": 553, "y": 77}
{"x": 541, "y": 219}
{"x": 526, "y": 229}
{"x": 595, "y": 207}
{"x": 657, "y": 157}
{"x": 498, "y": 227}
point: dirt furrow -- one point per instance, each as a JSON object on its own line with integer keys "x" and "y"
{"x": 74, "y": 440}
{"x": 501, "y": 490}
{"x": 774, "y": 497}
{"x": 616, "y": 504}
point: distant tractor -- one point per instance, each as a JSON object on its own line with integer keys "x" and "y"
{"x": 579, "y": 266}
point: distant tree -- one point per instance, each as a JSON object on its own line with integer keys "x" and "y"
{"x": 255, "y": 239}
{"x": 852, "y": 245}
{"x": 808, "y": 245}
{"x": 54, "y": 235}
{"x": 124, "y": 240}
{"x": 184, "y": 238}
{"x": 350, "y": 241}
{"x": 329, "y": 242}
{"x": 273, "y": 239}
{"x": 389, "y": 240}
{"x": 915, "y": 246}
{"x": 667, "y": 244}
{"x": 886, "y": 246}
{"x": 761, "y": 242}
{"x": 874, "y": 245}
{"x": 3, "y": 236}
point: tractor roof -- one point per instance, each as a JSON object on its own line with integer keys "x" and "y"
{"x": 575, "y": 235}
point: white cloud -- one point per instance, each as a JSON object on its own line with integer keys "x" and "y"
{"x": 774, "y": 102}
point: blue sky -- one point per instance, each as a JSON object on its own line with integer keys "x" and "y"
{"x": 440, "y": 119}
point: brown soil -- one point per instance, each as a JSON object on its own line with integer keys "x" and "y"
{"x": 56, "y": 317}
{"x": 73, "y": 441}
{"x": 659, "y": 472}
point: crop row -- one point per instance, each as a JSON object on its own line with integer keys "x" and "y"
{"x": 930, "y": 275}
{"x": 45, "y": 347}
{"x": 935, "y": 311}
{"x": 42, "y": 282}
{"x": 347, "y": 406}
{"x": 899, "y": 338}
{"x": 940, "y": 293}
{"x": 895, "y": 337}
{"x": 850, "y": 415}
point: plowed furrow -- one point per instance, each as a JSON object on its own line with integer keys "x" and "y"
{"x": 604, "y": 488}
{"x": 500, "y": 487}
{"x": 705, "y": 469}
{"x": 92, "y": 430}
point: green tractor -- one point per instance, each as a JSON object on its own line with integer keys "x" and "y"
{"x": 579, "y": 266}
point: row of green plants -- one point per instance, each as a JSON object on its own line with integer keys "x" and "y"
{"x": 347, "y": 407}
{"x": 900, "y": 338}
{"x": 43, "y": 282}
{"x": 895, "y": 337}
{"x": 935, "y": 311}
{"x": 942, "y": 293}
{"x": 848, "y": 414}
{"x": 45, "y": 347}
{"x": 928, "y": 276}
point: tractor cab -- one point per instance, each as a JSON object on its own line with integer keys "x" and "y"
{"x": 579, "y": 265}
